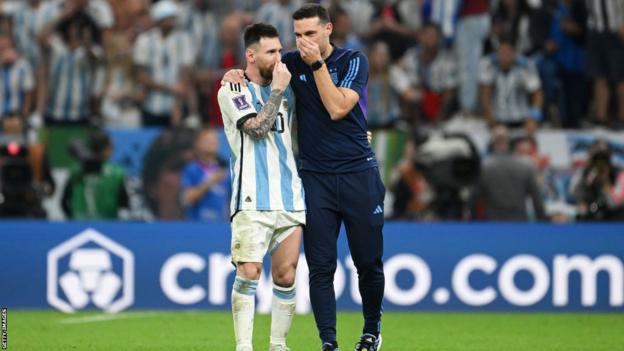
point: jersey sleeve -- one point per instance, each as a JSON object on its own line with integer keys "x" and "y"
{"x": 29, "y": 77}
{"x": 236, "y": 104}
{"x": 140, "y": 54}
{"x": 486, "y": 71}
{"x": 355, "y": 77}
{"x": 531, "y": 79}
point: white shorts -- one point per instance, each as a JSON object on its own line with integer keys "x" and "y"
{"x": 254, "y": 233}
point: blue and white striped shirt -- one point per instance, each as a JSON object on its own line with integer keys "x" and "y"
{"x": 164, "y": 57}
{"x": 16, "y": 80}
{"x": 70, "y": 83}
{"x": 264, "y": 173}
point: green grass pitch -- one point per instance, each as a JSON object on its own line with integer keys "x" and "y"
{"x": 200, "y": 330}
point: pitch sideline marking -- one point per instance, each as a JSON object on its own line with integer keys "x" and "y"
{"x": 107, "y": 317}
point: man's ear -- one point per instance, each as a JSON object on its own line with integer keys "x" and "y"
{"x": 329, "y": 28}
{"x": 250, "y": 55}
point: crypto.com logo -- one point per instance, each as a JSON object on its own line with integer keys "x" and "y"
{"x": 89, "y": 275}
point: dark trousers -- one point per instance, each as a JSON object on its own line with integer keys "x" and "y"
{"x": 355, "y": 199}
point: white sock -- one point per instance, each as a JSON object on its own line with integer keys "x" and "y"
{"x": 282, "y": 312}
{"x": 243, "y": 308}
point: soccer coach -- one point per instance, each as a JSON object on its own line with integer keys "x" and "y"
{"x": 339, "y": 172}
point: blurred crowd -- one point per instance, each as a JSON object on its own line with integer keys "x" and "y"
{"x": 517, "y": 66}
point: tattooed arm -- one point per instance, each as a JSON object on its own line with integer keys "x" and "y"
{"x": 259, "y": 126}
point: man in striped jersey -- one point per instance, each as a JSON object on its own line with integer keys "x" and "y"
{"x": 17, "y": 82}
{"x": 164, "y": 56}
{"x": 267, "y": 208}
{"x": 508, "y": 81}
{"x": 72, "y": 59}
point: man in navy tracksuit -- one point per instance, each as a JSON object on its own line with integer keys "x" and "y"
{"x": 339, "y": 172}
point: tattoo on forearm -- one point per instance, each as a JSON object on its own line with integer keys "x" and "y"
{"x": 259, "y": 126}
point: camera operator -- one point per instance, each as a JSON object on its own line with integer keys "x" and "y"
{"x": 25, "y": 175}
{"x": 450, "y": 164}
{"x": 96, "y": 188}
{"x": 598, "y": 187}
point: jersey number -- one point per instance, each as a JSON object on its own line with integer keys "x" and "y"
{"x": 278, "y": 126}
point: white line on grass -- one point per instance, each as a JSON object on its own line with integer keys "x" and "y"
{"x": 107, "y": 317}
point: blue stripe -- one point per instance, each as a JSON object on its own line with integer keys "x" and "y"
{"x": 6, "y": 79}
{"x": 68, "y": 89}
{"x": 355, "y": 72}
{"x": 288, "y": 198}
{"x": 22, "y": 76}
{"x": 285, "y": 172}
{"x": 284, "y": 294}
{"x": 56, "y": 77}
{"x": 261, "y": 161}
{"x": 245, "y": 286}
{"x": 342, "y": 84}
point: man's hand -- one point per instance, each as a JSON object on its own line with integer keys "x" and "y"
{"x": 234, "y": 76}
{"x": 178, "y": 90}
{"x": 281, "y": 77}
{"x": 369, "y": 136}
{"x": 215, "y": 178}
{"x": 309, "y": 50}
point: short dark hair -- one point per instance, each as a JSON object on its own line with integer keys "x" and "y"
{"x": 257, "y": 31}
{"x": 311, "y": 11}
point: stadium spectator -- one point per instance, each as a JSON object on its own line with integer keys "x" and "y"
{"x": 164, "y": 56}
{"x": 526, "y": 22}
{"x": 205, "y": 185}
{"x": 278, "y": 14}
{"x": 26, "y": 24}
{"x": 383, "y": 110}
{"x": 598, "y": 188}
{"x": 427, "y": 74}
{"x": 229, "y": 54}
{"x": 605, "y": 48}
{"x": 505, "y": 183}
{"x": 198, "y": 18}
{"x": 96, "y": 189}
{"x": 388, "y": 24}
{"x": 18, "y": 81}
{"x": 98, "y": 10}
{"x": 72, "y": 58}
{"x": 473, "y": 27}
{"x": 120, "y": 94}
{"x": 343, "y": 35}
{"x": 563, "y": 68}
{"x": 507, "y": 82}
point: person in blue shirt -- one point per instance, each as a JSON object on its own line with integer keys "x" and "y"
{"x": 205, "y": 185}
{"x": 339, "y": 171}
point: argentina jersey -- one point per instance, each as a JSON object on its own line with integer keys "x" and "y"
{"x": 264, "y": 173}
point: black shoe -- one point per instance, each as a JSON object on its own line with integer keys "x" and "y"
{"x": 368, "y": 342}
{"x": 329, "y": 346}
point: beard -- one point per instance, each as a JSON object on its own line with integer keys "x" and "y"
{"x": 267, "y": 73}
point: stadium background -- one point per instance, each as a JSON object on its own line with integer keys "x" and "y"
{"x": 568, "y": 275}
